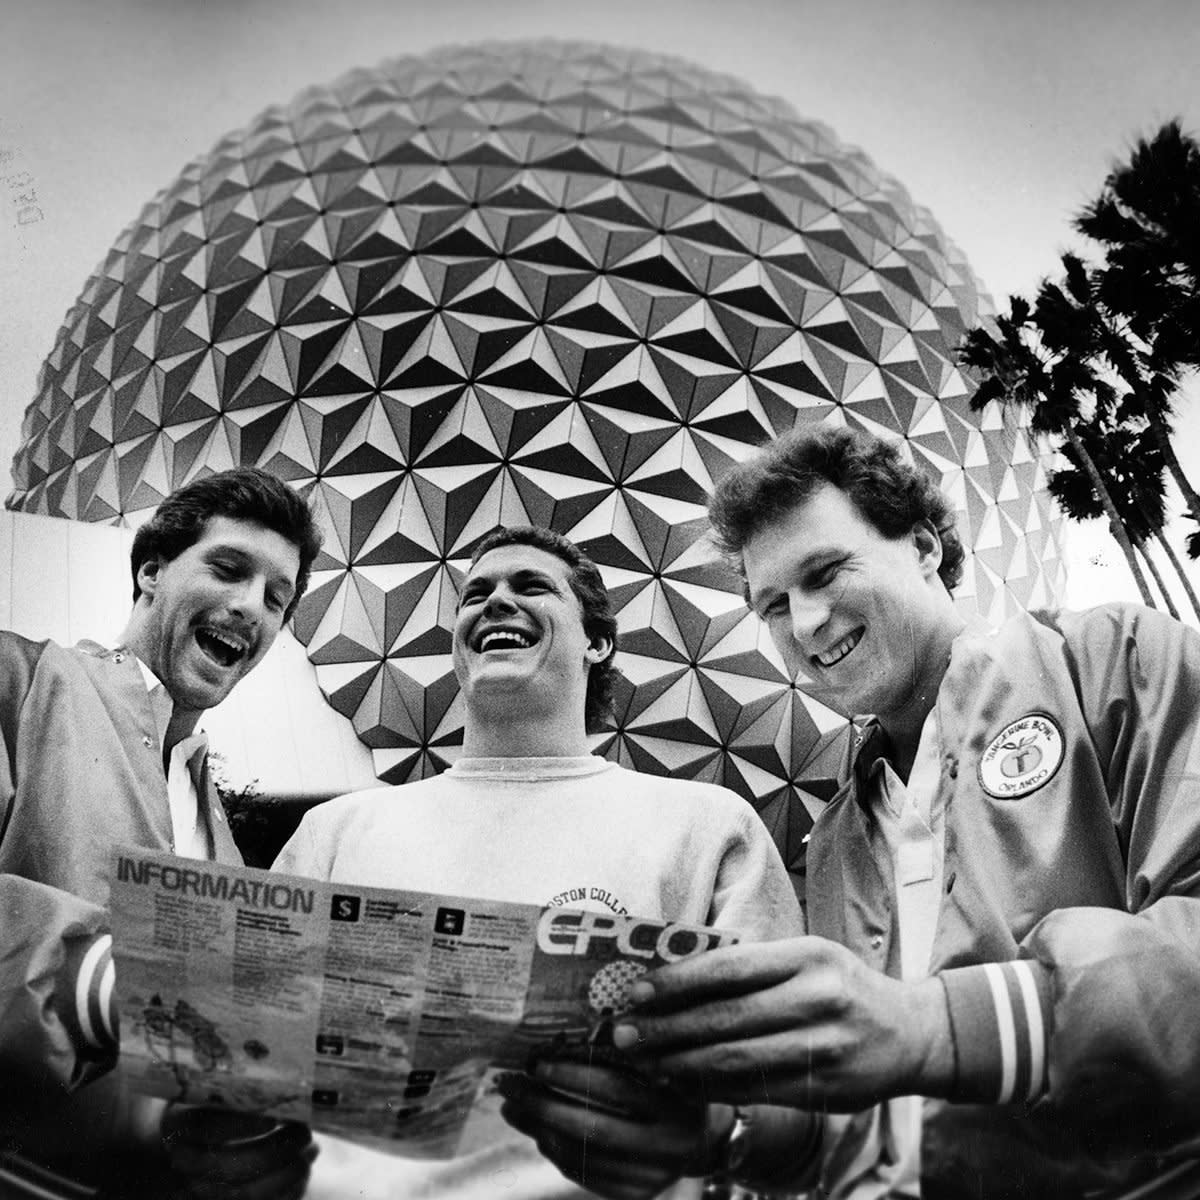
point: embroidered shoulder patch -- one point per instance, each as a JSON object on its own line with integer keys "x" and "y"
{"x": 1021, "y": 757}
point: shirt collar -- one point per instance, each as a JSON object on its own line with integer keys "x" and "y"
{"x": 162, "y": 706}
{"x": 873, "y": 746}
{"x": 870, "y": 742}
{"x": 557, "y": 766}
{"x": 152, "y": 680}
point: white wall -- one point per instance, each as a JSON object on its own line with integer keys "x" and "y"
{"x": 68, "y": 580}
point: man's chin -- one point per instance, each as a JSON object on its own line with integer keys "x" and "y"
{"x": 501, "y": 684}
{"x": 206, "y": 689}
{"x": 506, "y": 672}
{"x": 823, "y": 693}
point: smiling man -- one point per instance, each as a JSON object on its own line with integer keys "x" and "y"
{"x": 862, "y": 618}
{"x": 100, "y": 749}
{"x": 528, "y": 815}
{"x": 999, "y": 996}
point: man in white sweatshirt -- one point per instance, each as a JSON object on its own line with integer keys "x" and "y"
{"x": 528, "y": 815}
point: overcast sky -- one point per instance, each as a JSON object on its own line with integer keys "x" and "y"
{"x": 1001, "y": 117}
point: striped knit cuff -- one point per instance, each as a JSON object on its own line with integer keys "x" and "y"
{"x": 85, "y": 1001}
{"x": 1000, "y": 1017}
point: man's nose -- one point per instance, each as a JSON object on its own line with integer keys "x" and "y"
{"x": 250, "y": 600}
{"x": 807, "y": 616}
{"x": 500, "y": 599}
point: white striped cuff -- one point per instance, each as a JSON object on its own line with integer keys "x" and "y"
{"x": 88, "y": 1006}
{"x": 1000, "y": 1015}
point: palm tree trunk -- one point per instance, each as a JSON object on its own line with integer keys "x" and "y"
{"x": 1193, "y": 600}
{"x": 1154, "y": 524}
{"x": 1115, "y": 524}
{"x": 1162, "y": 437}
{"x": 1158, "y": 579}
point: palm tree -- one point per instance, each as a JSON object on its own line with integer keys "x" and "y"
{"x": 1147, "y": 217}
{"x": 1073, "y": 319}
{"x": 1052, "y": 374}
{"x": 1128, "y": 458}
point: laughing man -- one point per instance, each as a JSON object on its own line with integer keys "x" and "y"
{"x": 527, "y": 815}
{"x": 99, "y": 748}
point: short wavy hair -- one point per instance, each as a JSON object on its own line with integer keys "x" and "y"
{"x": 241, "y": 494}
{"x": 588, "y": 586}
{"x": 891, "y": 494}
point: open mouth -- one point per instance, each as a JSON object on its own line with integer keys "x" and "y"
{"x": 837, "y": 652}
{"x": 502, "y": 639}
{"x": 223, "y": 648}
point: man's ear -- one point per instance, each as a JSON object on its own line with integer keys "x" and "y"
{"x": 929, "y": 547}
{"x": 148, "y": 574}
{"x": 599, "y": 648}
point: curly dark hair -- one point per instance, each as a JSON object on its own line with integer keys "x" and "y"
{"x": 891, "y": 494}
{"x": 589, "y": 589}
{"x": 242, "y": 494}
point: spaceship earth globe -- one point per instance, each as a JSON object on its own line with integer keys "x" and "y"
{"x": 534, "y": 282}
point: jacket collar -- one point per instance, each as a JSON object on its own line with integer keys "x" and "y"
{"x": 869, "y": 744}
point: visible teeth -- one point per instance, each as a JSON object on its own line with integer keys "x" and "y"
{"x": 836, "y": 653}
{"x": 225, "y": 648}
{"x": 507, "y": 637}
{"x": 231, "y": 642}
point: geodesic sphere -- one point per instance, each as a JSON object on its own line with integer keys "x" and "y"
{"x": 530, "y": 282}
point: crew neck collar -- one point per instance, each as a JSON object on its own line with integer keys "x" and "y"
{"x": 550, "y": 767}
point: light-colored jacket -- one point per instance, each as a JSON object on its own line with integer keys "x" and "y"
{"x": 81, "y": 772}
{"x": 1073, "y": 843}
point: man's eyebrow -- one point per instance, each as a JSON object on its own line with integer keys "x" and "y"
{"x": 245, "y": 558}
{"x": 233, "y": 555}
{"x": 754, "y": 600}
{"x": 814, "y": 557}
{"x": 520, "y": 575}
{"x": 525, "y": 574}
{"x": 473, "y": 583}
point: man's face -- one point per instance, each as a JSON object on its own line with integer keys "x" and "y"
{"x": 519, "y": 633}
{"x": 860, "y": 619}
{"x": 214, "y": 610}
